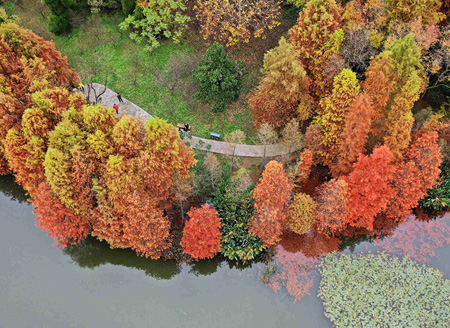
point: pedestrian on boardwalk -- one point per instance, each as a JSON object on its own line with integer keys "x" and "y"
{"x": 81, "y": 86}
{"x": 119, "y": 96}
{"x": 116, "y": 108}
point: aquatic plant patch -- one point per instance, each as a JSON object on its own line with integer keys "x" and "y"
{"x": 382, "y": 291}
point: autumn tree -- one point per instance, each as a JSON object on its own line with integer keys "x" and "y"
{"x": 28, "y": 64}
{"x": 395, "y": 81}
{"x": 300, "y": 213}
{"x": 235, "y": 21}
{"x": 119, "y": 172}
{"x": 283, "y": 92}
{"x": 304, "y": 168}
{"x": 332, "y": 111}
{"x": 332, "y": 207}
{"x": 201, "y": 234}
{"x": 270, "y": 194}
{"x": 357, "y": 125}
{"x": 407, "y": 10}
{"x": 291, "y": 136}
{"x": 425, "y": 153}
{"x": 220, "y": 78}
{"x": 370, "y": 187}
{"x": 317, "y": 38}
{"x": 155, "y": 18}
{"x": 62, "y": 224}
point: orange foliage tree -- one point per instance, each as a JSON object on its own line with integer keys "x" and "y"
{"x": 270, "y": 194}
{"x": 236, "y": 21}
{"x": 26, "y": 144}
{"x": 332, "y": 207}
{"x": 201, "y": 234}
{"x": 370, "y": 187}
{"x": 283, "y": 91}
{"x": 317, "y": 37}
{"x": 425, "y": 153}
{"x": 357, "y": 126}
{"x": 28, "y": 64}
{"x": 117, "y": 175}
{"x": 51, "y": 215}
{"x": 400, "y": 70}
{"x": 304, "y": 168}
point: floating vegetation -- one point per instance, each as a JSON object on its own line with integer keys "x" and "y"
{"x": 383, "y": 291}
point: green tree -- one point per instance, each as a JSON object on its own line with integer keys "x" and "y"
{"x": 219, "y": 77}
{"x": 155, "y": 18}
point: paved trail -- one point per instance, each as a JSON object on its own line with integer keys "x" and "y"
{"x": 109, "y": 99}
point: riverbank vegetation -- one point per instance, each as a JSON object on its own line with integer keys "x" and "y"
{"x": 349, "y": 81}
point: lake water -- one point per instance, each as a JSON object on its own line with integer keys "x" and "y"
{"x": 90, "y": 285}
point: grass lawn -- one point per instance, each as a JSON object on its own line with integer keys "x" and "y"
{"x": 139, "y": 84}
{"x": 142, "y": 77}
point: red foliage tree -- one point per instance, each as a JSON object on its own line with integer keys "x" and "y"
{"x": 356, "y": 131}
{"x": 201, "y": 234}
{"x": 146, "y": 231}
{"x": 425, "y": 153}
{"x": 332, "y": 207}
{"x": 406, "y": 192}
{"x": 370, "y": 187}
{"x": 52, "y": 216}
{"x": 271, "y": 194}
{"x": 304, "y": 168}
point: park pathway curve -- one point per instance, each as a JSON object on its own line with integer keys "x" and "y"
{"x": 109, "y": 99}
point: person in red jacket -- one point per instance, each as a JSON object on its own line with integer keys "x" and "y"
{"x": 116, "y": 109}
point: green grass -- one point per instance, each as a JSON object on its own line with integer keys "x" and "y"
{"x": 148, "y": 93}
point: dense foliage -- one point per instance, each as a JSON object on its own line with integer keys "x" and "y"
{"x": 155, "y": 18}
{"x": 201, "y": 235}
{"x": 235, "y": 21}
{"x": 283, "y": 92}
{"x": 382, "y": 290}
{"x": 270, "y": 194}
{"x": 237, "y": 243}
{"x": 220, "y": 78}
{"x": 438, "y": 198}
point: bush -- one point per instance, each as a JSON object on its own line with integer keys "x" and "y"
{"x": 58, "y": 25}
{"x": 438, "y": 198}
{"x": 237, "y": 242}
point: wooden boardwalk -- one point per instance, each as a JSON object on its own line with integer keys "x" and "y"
{"x": 109, "y": 99}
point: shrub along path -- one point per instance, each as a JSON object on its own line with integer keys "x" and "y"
{"x": 109, "y": 99}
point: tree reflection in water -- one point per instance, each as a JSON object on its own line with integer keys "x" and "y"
{"x": 9, "y": 188}
{"x": 91, "y": 253}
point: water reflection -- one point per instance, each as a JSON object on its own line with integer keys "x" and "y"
{"x": 91, "y": 253}
{"x": 11, "y": 189}
{"x": 206, "y": 267}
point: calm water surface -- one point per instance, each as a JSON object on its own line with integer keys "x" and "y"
{"x": 90, "y": 285}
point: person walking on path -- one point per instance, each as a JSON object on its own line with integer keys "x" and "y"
{"x": 119, "y": 96}
{"x": 116, "y": 108}
{"x": 81, "y": 86}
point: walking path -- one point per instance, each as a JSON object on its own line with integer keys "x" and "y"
{"x": 109, "y": 99}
